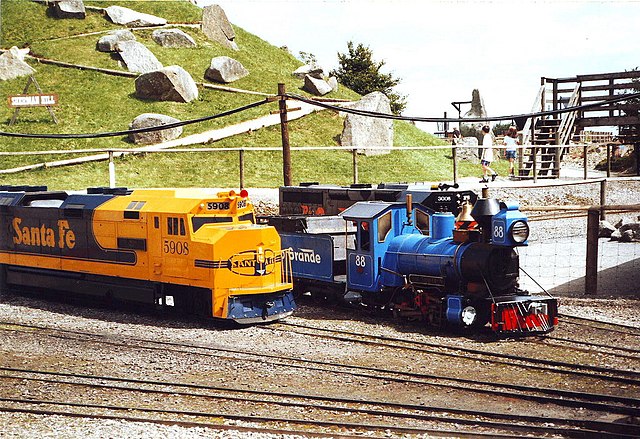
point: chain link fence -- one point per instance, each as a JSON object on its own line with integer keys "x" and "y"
{"x": 566, "y": 258}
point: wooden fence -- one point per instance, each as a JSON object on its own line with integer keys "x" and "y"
{"x": 114, "y": 153}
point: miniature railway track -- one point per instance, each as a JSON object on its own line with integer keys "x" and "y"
{"x": 566, "y": 398}
{"x": 497, "y": 421}
{"x": 600, "y": 324}
{"x": 175, "y": 422}
{"x": 586, "y": 346}
{"x": 586, "y": 370}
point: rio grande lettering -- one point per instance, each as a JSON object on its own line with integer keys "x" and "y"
{"x": 306, "y": 255}
{"x": 43, "y": 236}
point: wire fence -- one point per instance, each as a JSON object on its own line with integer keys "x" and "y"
{"x": 568, "y": 256}
{"x": 557, "y": 261}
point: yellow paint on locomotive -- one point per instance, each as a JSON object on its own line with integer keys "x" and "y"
{"x": 179, "y": 236}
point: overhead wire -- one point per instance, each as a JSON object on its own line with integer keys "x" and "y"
{"x": 325, "y": 105}
{"x": 135, "y": 130}
{"x": 465, "y": 119}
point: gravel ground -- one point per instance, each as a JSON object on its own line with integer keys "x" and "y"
{"x": 27, "y": 350}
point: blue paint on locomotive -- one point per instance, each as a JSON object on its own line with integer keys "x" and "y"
{"x": 311, "y": 255}
{"x": 455, "y": 304}
{"x": 504, "y": 222}
{"x": 262, "y": 307}
{"x": 423, "y": 255}
{"x": 377, "y": 224}
{"x": 389, "y": 247}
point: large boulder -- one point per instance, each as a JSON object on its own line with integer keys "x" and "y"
{"x": 364, "y": 132}
{"x": 108, "y": 42}
{"x": 477, "y": 111}
{"x": 605, "y": 229}
{"x": 467, "y": 149}
{"x": 625, "y": 230}
{"x": 171, "y": 83}
{"x": 129, "y": 17}
{"x": 333, "y": 83}
{"x": 308, "y": 69}
{"x": 12, "y": 64}
{"x": 225, "y": 69}
{"x": 68, "y": 9}
{"x": 137, "y": 57}
{"x": 147, "y": 120}
{"x": 216, "y": 26}
{"x": 315, "y": 86}
{"x": 173, "y": 38}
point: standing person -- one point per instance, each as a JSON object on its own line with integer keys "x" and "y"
{"x": 510, "y": 142}
{"x": 487, "y": 155}
{"x": 457, "y": 137}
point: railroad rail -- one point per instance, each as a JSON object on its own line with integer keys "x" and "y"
{"x": 601, "y": 324}
{"x": 566, "y": 398}
{"x": 526, "y": 424}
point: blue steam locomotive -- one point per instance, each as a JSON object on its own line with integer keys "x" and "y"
{"x": 421, "y": 263}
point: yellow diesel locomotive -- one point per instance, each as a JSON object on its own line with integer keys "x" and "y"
{"x": 185, "y": 249}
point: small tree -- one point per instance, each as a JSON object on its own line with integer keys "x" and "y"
{"x": 308, "y": 58}
{"x": 359, "y": 72}
{"x": 501, "y": 129}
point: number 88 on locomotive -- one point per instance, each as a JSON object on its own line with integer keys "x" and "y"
{"x": 429, "y": 265}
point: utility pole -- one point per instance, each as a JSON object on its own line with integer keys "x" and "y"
{"x": 284, "y": 130}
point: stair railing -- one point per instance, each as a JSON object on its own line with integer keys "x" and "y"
{"x": 566, "y": 125}
{"x": 537, "y": 105}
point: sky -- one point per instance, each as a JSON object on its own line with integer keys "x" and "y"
{"x": 442, "y": 50}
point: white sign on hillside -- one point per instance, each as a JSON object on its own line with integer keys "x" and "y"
{"x": 25, "y": 100}
{"x": 39, "y": 100}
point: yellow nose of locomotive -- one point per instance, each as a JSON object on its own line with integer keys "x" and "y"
{"x": 251, "y": 274}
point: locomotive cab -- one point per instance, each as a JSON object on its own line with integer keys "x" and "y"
{"x": 420, "y": 270}
{"x": 376, "y": 224}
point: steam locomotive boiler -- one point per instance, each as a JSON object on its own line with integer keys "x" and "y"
{"x": 422, "y": 264}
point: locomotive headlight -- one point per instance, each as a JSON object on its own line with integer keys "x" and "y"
{"x": 519, "y": 231}
{"x": 538, "y": 308}
{"x": 469, "y": 315}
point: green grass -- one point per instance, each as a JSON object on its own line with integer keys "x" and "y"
{"x": 93, "y": 102}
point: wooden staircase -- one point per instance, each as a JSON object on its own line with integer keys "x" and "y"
{"x": 545, "y": 144}
{"x": 542, "y": 157}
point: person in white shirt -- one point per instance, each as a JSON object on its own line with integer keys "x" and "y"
{"x": 510, "y": 142}
{"x": 487, "y": 155}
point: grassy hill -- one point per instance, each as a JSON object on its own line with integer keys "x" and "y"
{"x": 94, "y": 102}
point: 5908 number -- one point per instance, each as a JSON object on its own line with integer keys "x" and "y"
{"x": 175, "y": 247}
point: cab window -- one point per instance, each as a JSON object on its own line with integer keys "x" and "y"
{"x": 199, "y": 221}
{"x": 384, "y": 226}
{"x": 175, "y": 226}
{"x": 365, "y": 235}
{"x": 422, "y": 222}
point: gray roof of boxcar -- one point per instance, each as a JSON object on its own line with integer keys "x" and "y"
{"x": 368, "y": 209}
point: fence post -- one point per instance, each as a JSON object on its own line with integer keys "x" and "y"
{"x": 608, "y": 160}
{"x": 284, "y": 130}
{"x": 112, "y": 170}
{"x": 355, "y": 165}
{"x": 534, "y": 169}
{"x": 603, "y": 198}
{"x": 585, "y": 161}
{"x": 454, "y": 151}
{"x": 242, "y": 168}
{"x": 591, "y": 271}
